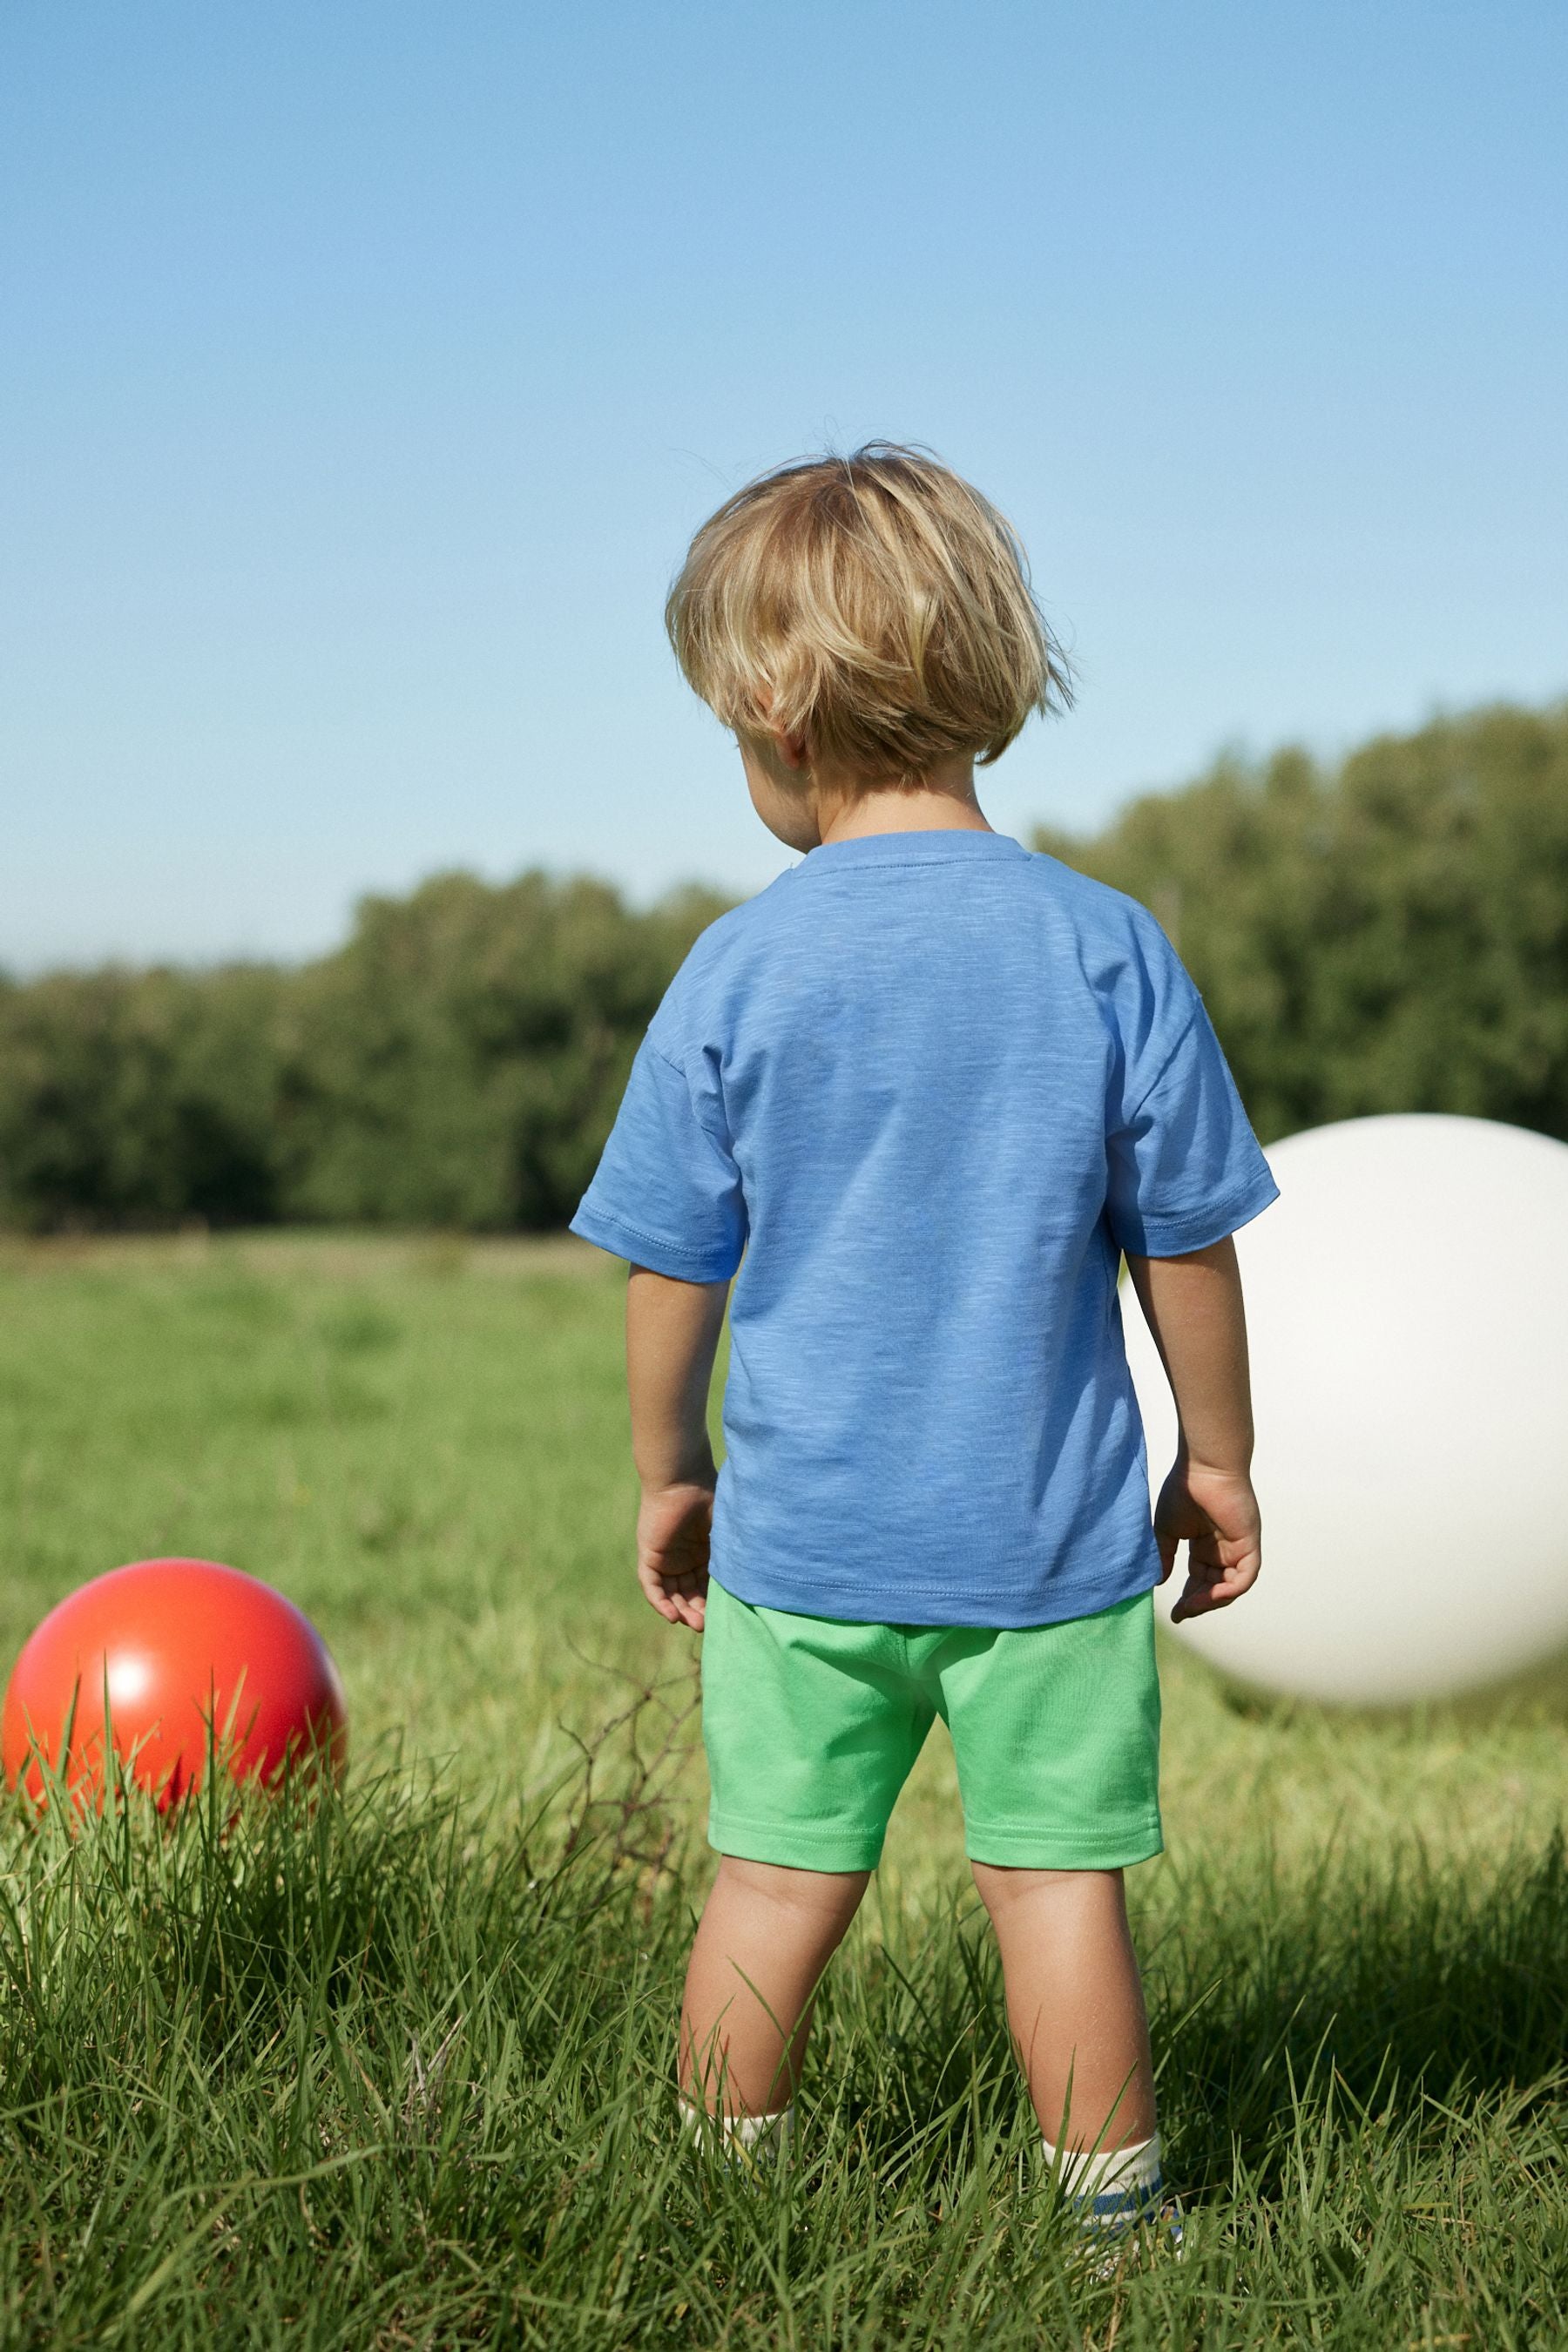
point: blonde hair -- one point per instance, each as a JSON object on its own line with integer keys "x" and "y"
{"x": 874, "y": 606}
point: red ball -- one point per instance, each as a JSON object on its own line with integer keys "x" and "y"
{"x": 178, "y": 1645}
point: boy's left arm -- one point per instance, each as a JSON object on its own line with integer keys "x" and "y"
{"x": 672, "y": 1337}
{"x": 1194, "y": 1309}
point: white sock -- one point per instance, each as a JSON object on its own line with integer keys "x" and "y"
{"x": 752, "y": 2136}
{"x": 1108, "y": 2184}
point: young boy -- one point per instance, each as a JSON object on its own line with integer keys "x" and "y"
{"x": 915, "y": 1100}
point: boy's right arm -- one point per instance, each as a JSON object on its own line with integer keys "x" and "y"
{"x": 1194, "y": 1309}
{"x": 672, "y": 1337}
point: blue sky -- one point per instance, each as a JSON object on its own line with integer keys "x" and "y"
{"x": 366, "y": 365}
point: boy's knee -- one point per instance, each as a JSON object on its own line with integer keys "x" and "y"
{"x": 813, "y": 1893}
{"x": 1001, "y": 1889}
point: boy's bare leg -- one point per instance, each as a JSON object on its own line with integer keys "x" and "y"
{"x": 765, "y": 1936}
{"x": 1075, "y": 2002}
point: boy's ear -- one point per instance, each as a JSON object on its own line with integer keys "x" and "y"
{"x": 793, "y": 749}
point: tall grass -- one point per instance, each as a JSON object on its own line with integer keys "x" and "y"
{"x": 356, "y": 2070}
{"x": 393, "y": 2066}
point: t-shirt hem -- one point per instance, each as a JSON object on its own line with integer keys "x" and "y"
{"x": 652, "y": 1250}
{"x": 1051, "y": 1603}
{"x": 1196, "y": 1229}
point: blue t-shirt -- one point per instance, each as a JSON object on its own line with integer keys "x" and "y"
{"x": 917, "y": 1096}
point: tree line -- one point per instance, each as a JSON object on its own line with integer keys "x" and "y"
{"x": 456, "y": 1063}
{"x": 1389, "y": 932}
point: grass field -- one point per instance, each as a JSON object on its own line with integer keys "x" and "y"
{"x": 395, "y": 2070}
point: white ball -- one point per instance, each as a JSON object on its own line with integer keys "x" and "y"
{"x": 1407, "y": 1311}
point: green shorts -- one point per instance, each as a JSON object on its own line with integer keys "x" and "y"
{"x": 811, "y": 1725}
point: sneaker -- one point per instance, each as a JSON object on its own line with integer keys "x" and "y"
{"x": 748, "y": 2144}
{"x": 1127, "y": 2230}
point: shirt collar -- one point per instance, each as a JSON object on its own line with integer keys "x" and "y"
{"x": 952, "y": 845}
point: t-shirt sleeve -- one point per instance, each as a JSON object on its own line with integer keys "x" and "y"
{"x": 666, "y": 1192}
{"x": 1185, "y": 1168}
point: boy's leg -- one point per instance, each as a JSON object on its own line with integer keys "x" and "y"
{"x": 766, "y": 1935}
{"x": 1075, "y": 2003}
{"x": 1055, "y": 1729}
{"x": 811, "y": 1725}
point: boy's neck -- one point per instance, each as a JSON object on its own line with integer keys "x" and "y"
{"x": 943, "y": 802}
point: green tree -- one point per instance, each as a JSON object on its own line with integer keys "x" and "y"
{"x": 459, "y": 1061}
{"x": 142, "y": 1097}
{"x": 1388, "y": 935}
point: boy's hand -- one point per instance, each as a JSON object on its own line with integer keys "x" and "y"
{"x": 1214, "y": 1513}
{"x": 673, "y": 1527}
